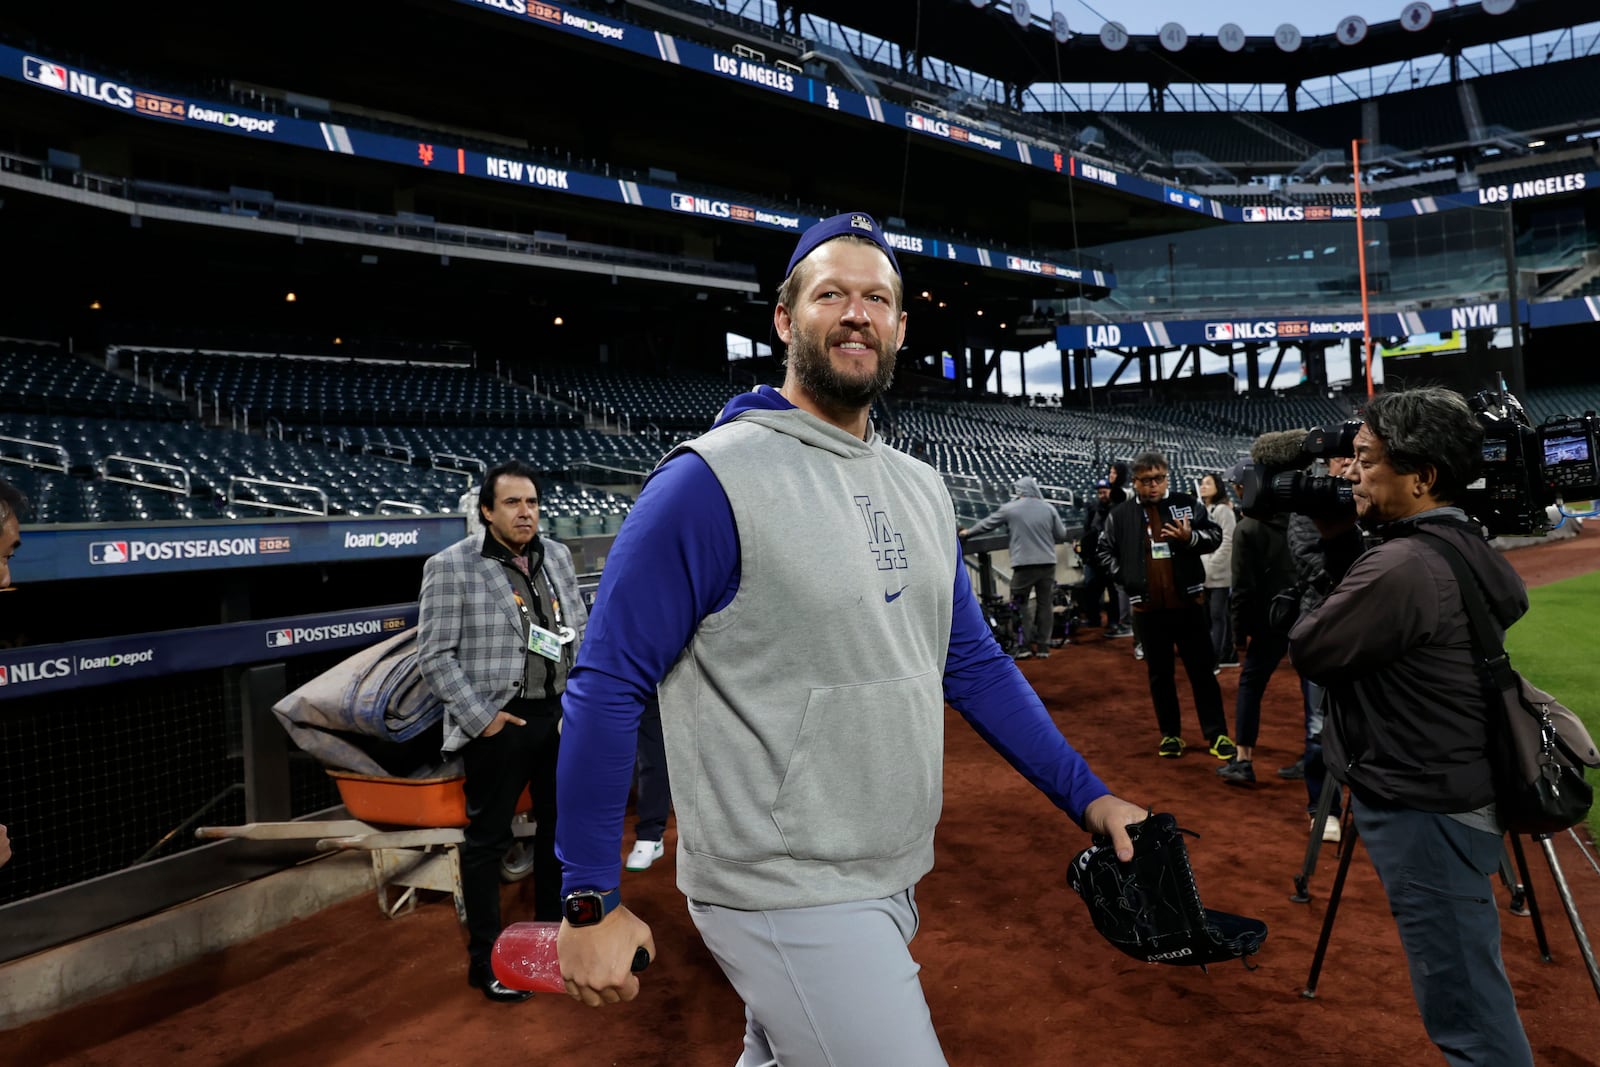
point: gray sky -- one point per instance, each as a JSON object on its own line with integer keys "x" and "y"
{"x": 1204, "y": 17}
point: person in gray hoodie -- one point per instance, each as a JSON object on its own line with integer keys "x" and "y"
{"x": 1036, "y": 529}
{"x": 792, "y": 588}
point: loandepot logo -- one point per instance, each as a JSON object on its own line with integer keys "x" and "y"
{"x": 383, "y": 539}
{"x": 116, "y": 659}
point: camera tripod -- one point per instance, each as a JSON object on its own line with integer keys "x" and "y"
{"x": 1523, "y": 901}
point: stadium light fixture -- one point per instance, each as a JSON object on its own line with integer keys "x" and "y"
{"x": 559, "y": 321}
{"x": 980, "y": 313}
{"x": 95, "y": 306}
{"x": 926, "y": 295}
{"x": 289, "y": 298}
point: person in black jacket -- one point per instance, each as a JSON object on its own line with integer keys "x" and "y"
{"x": 1095, "y": 583}
{"x": 1151, "y": 547}
{"x": 1117, "y": 481}
{"x": 1409, "y": 726}
{"x": 1262, "y": 569}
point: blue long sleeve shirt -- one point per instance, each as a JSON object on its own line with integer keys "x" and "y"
{"x": 676, "y": 561}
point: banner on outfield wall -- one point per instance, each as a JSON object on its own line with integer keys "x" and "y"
{"x": 58, "y": 552}
{"x": 1168, "y": 334}
{"x": 79, "y": 664}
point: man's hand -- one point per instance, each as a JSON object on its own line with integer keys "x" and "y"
{"x": 1112, "y": 816}
{"x": 1176, "y": 531}
{"x": 597, "y": 961}
{"x": 5, "y": 846}
{"x": 962, "y": 532}
{"x": 498, "y": 723}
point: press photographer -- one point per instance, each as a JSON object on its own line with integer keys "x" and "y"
{"x": 1390, "y": 644}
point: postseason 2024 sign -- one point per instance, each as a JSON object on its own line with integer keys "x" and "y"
{"x": 39, "y": 669}
{"x": 108, "y": 551}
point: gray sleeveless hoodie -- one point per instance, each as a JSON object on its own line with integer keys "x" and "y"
{"x": 804, "y": 721}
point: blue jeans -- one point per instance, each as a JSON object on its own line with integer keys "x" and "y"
{"x": 1436, "y": 873}
{"x": 1316, "y": 769}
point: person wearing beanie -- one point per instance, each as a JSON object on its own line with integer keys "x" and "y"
{"x": 792, "y": 589}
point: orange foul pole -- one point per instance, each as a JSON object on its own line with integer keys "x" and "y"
{"x": 1361, "y": 262}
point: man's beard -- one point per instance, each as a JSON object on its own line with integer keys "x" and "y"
{"x": 816, "y": 374}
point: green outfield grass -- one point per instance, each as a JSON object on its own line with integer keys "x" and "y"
{"x": 1557, "y": 647}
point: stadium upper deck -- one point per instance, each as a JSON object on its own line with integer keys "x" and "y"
{"x": 740, "y": 126}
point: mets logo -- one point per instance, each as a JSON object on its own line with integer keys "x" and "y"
{"x": 888, "y": 547}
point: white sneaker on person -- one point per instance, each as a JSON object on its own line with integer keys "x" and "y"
{"x": 643, "y": 855}
{"x": 1330, "y": 829}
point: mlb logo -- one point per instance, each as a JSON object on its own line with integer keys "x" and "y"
{"x": 1255, "y": 214}
{"x": 861, "y": 222}
{"x": 682, "y": 202}
{"x": 4, "y": 679}
{"x": 1219, "y": 331}
{"x": 279, "y": 638}
{"x": 108, "y": 552}
{"x": 42, "y": 73}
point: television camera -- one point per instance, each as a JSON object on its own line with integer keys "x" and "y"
{"x": 1525, "y": 469}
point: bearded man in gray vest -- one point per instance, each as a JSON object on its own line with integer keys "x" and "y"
{"x": 794, "y": 589}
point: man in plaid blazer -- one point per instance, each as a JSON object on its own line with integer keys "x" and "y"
{"x": 500, "y": 622}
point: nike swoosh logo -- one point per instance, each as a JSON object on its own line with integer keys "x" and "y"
{"x": 890, "y": 598}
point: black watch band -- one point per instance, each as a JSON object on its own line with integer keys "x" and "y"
{"x": 585, "y": 907}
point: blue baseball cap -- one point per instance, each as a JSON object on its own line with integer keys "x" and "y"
{"x": 858, "y": 223}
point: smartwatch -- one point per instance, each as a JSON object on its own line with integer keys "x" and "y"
{"x": 585, "y": 907}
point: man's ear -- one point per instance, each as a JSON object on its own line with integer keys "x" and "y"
{"x": 1427, "y": 479}
{"x": 783, "y": 323}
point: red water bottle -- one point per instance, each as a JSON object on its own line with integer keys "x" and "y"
{"x": 524, "y": 957}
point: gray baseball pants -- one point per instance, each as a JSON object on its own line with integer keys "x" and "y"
{"x": 830, "y": 986}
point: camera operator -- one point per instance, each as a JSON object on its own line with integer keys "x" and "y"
{"x": 1390, "y": 643}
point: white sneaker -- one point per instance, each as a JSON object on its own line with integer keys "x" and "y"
{"x": 643, "y": 855}
{"x": 1330, "y": 829}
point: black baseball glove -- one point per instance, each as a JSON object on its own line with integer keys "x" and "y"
{"x": 1150, "y": 908}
